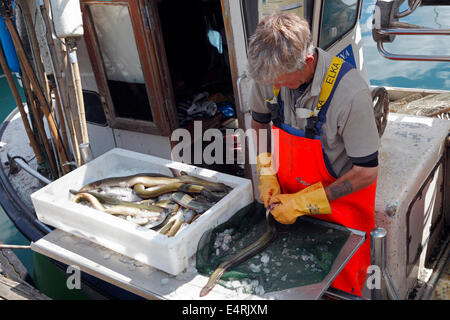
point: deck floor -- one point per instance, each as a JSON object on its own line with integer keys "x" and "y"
{"x": 442, "y": 289}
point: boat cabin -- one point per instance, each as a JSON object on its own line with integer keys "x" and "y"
{"x": 152, "y": 72}
{"x": 142, "y": 74}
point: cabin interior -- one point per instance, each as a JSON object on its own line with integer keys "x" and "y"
{"x": 196, "y": 49}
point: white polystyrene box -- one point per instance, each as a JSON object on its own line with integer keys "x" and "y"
{"x": 54, "y": 207}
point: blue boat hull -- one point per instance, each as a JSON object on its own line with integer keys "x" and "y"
{"x": 8, "y": 48}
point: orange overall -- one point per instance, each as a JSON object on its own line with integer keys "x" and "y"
{"x": 302, "y": 163}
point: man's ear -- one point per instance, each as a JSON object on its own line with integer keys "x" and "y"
{"x": 309, "y": 59}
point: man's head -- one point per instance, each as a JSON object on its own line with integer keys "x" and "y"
{"x": 281, "y": 51}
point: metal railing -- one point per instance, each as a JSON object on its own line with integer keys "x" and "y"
{"x": 378, "y": 252}
{"x": 386, "y": 27}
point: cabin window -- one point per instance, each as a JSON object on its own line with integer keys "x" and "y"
{"x": 254, "y": 10}
{"x": 338, "y": 18}
{"x": 121, "y": 60}
{"x": 161, "y": 65}
{"x": 122, "y": 44}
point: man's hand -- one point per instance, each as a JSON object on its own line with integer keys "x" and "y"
{"x": 268, "y": 181}
{"x": 311, "y": 200}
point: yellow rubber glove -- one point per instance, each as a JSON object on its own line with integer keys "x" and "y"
{"x": 311, "y": 200}
{"x": 267, "y": 176}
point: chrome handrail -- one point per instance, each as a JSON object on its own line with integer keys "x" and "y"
{"x": 386, "y": 26}
{"x": 414, "y": 31}
{"x": 410, "y": 9}
{"x": 405, "y": 57}
{"x": 378, "y": 257}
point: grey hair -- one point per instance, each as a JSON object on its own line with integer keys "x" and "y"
{"x": 279, "y": 46}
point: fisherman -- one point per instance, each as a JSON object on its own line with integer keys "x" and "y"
{"x": 321, "y": 109}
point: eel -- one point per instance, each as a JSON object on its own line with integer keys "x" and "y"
{"x": 186, "y": 201}
{"x": 156, "y": 191}
{"x": 128, "y": 181}
{"x": 154, "y": 179}
{"x": 176, "y": 220}
{"x": 154, "y": 218}
{"x": 267, "y": 238}
{"x": 109, "y": 199}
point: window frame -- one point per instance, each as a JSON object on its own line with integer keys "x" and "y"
{"x": 344, "y": 34}
{"x": 147, "y": 35}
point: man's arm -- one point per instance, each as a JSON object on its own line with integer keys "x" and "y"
{"x": 354, "y": 180}
{"x": 361, "y": 139}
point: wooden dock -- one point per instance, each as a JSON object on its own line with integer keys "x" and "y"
{"x": 13, "y": 276}
{"x": 12, "y": 290}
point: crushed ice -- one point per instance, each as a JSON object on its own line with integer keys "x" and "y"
{"x": 223, "y": 240}
{"x": 246, "y": 286}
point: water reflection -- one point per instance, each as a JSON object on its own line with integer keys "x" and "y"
{"x": 8, "y": 232}
{"x": 409, "y": 74}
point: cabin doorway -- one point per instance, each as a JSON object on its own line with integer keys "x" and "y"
{"x": 163, "y": 65}
{"x": 196, "y": 50}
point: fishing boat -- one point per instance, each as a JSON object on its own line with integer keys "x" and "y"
{"x": 102, "y": 76}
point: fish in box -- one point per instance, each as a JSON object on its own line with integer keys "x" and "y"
{"x": 54, "y": 206}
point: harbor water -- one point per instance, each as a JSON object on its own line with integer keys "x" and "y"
{"x": 409, "y": 74}
{"x": 8, "y": 233}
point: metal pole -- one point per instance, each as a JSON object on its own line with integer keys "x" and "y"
{"x": 57, "y": 65}
{"x": 35, "y": 84}
{"x": 36, "y": 51}
{"x": 23, "y": 114}
{"x": 76, "y": 78}
{"x": 378, "y": 258}
{"x": 62, "y": 122}
{"x": 11, "y": 246}
{"x": 72, "y": 98}
{"x": 32, "y": 108}
{"x": 30, "y": 170}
